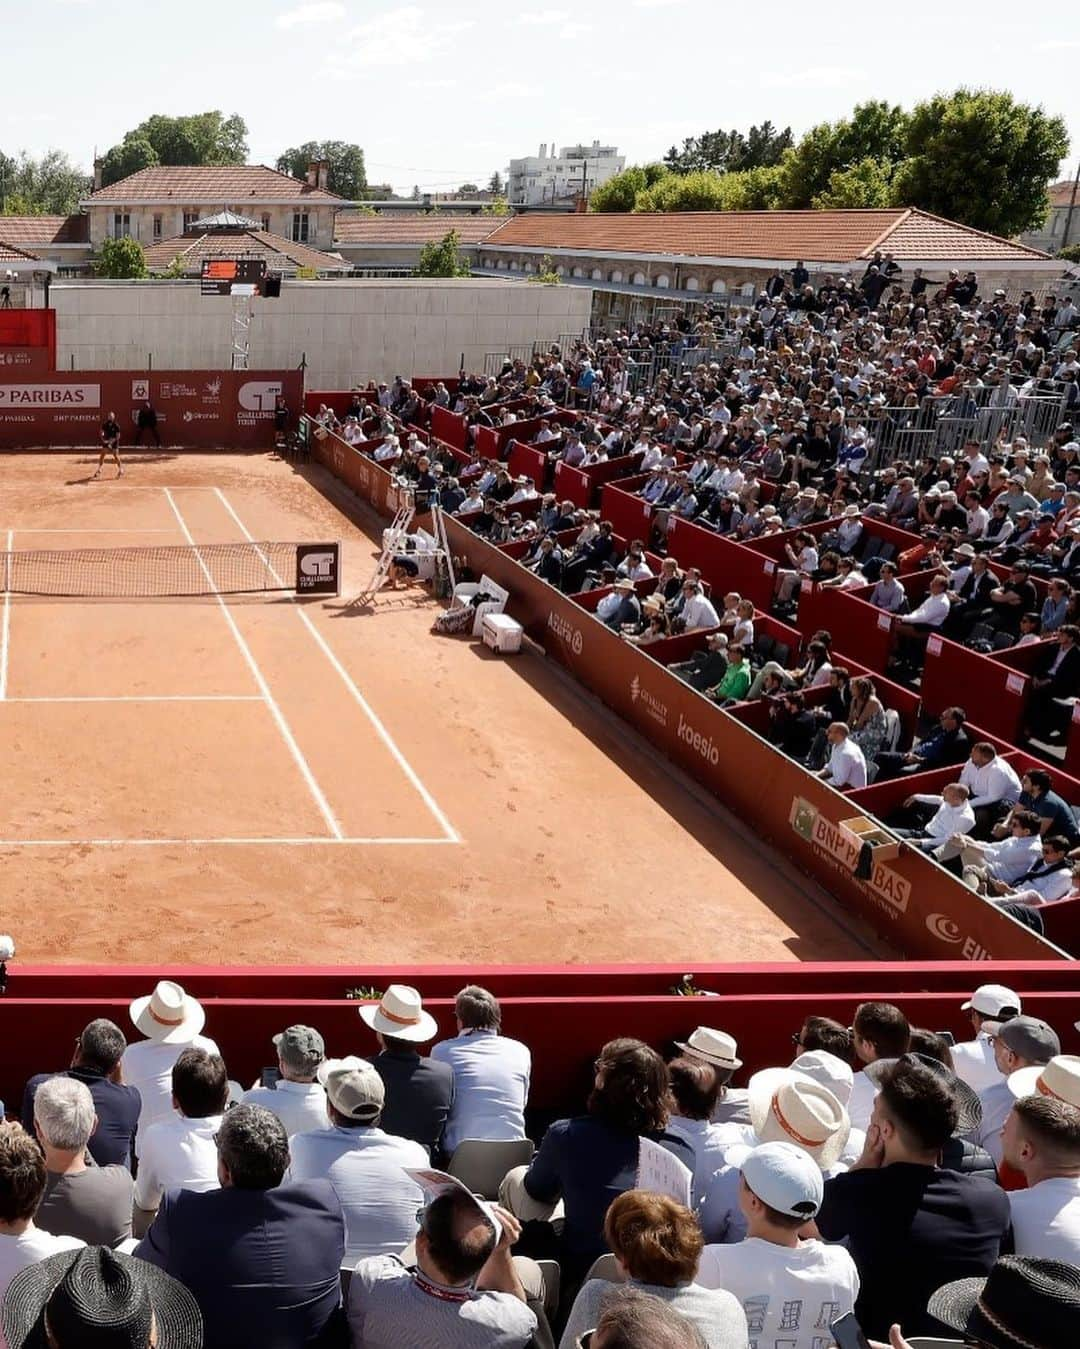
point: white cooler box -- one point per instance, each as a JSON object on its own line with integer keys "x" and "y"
{"x": 502, "y": 633}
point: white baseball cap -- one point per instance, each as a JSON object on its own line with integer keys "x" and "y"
{"x": 786, "y": 1178}
{"x": 827, "y": 1071}
{"x": 992, "y": 1000}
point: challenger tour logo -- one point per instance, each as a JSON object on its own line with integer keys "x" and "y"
{"x": 50, "y": 395}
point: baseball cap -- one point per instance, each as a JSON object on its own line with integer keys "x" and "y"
{"x": 301, "y": 1047}
{"x": 827, "y": 1071}
{"x": 992, "y": 1000}
{"x": 786, "y": 1178}
{"x": 1030, "y": 1038}
{"x": 354, "y": 1087}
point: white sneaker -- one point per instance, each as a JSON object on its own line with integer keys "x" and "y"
{"x": 119, "y": 472}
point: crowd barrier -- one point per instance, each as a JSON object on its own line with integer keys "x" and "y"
{"x": 564, "y": 1014}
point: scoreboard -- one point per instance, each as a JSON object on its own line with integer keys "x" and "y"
{"x": 220, "y": 275}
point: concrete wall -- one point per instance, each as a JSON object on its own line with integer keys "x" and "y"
{"x": 349, "y": 330}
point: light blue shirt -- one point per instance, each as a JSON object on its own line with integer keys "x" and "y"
{"x": 491, "y": 1086}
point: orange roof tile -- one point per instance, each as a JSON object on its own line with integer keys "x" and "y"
{"x": 282, "y": 255}
{"x": 228, "y": 185}
{"x": 812, "y": 236}
{"x": 36, "y": 231}
{"x": 350, "y": 227}
{"x": 1061, "y": 194}
{"x": 9, "y": 253}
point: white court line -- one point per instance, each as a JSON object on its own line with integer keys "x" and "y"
{"x": 146, "y": 698}
{"x": 264, "y": 688}
{"x": 5, "y": 623}
{"x": 303, "y": 841}
{"x": 452, "y": 836}
{"x": 29, "y": 529}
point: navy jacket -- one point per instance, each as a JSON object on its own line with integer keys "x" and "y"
{"x": 263, "y": 1265}
{"x": 117, "y": 1107}
{"x": 419, "y": 1093}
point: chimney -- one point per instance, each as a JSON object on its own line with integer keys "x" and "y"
{"x": 311, "y": 177}
{"x": 543, "y": 152}
{"x": 99, "y": 165}
{"x": 322, "y": 174}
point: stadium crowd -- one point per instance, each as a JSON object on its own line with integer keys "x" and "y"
{"x": 879, "y": 1170}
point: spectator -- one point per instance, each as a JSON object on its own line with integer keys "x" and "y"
{"x": 97, "y": 1297}
{"x": 657, "y": 1244}
{"x": 96, "y": 1062}
{"x": 1041, "y": 1140}
{"x": 789, "y": 1287}
{"x": 22, "y": 1184}
{"x": 90, "y": 1202}
{"x": 171, "y": 1021}
{"x": 1021, "y": 1042}
{"x": 993, "y": 784}
{"x": 947, "y": 744}
{"x": 909, "y": 1225}
{"x": 491, "y": 1073}
{"x": 847, "y": 765}
{"x": 297, "y": 1097}
{"x": 695, "y": 1089}
{"x": 635, "y": 1320}
{"x": 720, "y": 1051}
{"x": 706, "y": 667}
{"x": 1005, "y": 861}
{"x": 1055, "y": 814}
{"x": 365, "y": 1165}
{"x": 697, "y": 611}
{"x": 1020, "y": 1302}
{"x": 735, "y": 685}
{"x": 419, "y": 1092}
{"x": 949, "y": 824}
{"x": 879, "y": 1031}
{"x": 1058, "y": 677}
{"x": 888, "y": 593}
{"x": 973, "y": 1060}
{"x": 823, "y": 1034}
{"x": 463, "y": 1291}
{"x": 586, "y": 1162}
{"x": 181, "y": 1153}
{"x": 261, "y": 1258}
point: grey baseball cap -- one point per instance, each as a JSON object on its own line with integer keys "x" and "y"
{"x": 301, "y": 1047}
{"x": 1029, "y": 1037}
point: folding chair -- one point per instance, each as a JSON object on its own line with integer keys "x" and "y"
{"x": 764, "y": 646}
{"x": 481, "y": 1164}
{"x": 870, "y": 547}
{"x": 606, "y": 1267}
{"x": 893, "y": 728}
{"x": 1001, "y": 640}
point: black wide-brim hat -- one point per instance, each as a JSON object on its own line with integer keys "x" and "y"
{"x": 1021, "y": 1304}
{"x": 95, "y": 1272}
{"x": 968, "y": 1105}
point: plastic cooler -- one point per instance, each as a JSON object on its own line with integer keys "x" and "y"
{"x": 502, "y": 633}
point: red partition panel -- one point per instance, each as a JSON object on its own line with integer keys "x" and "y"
{"x": 992, "y": 694}
{"x": 530, "y": 461}
{"x": 28, "y": 339}
{"x": 367, "y": 479}
{"x": 629, "y": 514}
{"x": 573, "y": 484}
{"x": 724, "y": 564}
{"x": 448, "y": 426}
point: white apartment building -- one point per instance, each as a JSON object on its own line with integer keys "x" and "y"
{"x": 555, "y": 178}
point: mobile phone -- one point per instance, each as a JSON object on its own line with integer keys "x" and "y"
{"x": 848, "y": 1333}
{"x": 947, "y": 1036}
{"x": 269, "y": 1077}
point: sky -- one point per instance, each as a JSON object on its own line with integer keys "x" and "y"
{"x": 439, "y": 94}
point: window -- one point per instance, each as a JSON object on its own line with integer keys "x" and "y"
{"x": 718, "y": 287}
{"x": 190, "y": 218}
{"x": 157, "y": 227}
{"x": 121, "y": 224}
{"x": 266, "y": 224}
{"x": 616, "y": 277}
{"x": 597, "y": 274}
{"x": 662, "y": 282}
{"x": 691, "y": 283}
{"x": 300, "y": 225}
{"x": 638, "y": 279}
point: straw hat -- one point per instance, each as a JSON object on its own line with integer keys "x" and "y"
{"x": 400, "y": 1014}
{"x": 168, "y": 1015}
{"x": 1060, "y": 1078}
{"x": 712, "y": 1046}
{"x": 786, "y": 1106}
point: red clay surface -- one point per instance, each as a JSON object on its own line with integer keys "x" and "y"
{"x": 179, "y": 787}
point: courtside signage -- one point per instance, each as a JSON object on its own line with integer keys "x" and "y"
{"x": 50, "y": 395}
{"x": 318, "y": 568}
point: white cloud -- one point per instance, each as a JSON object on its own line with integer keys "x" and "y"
{"x": 509, "y": 89}
{"x": 815, "y": 77}
{"x": 1058, "y": 44}
{"x": 306, "y": 16}
{"x": 543, "y": 17}
{"x": 655, "y": 4}
{"x": 400, "y": 37}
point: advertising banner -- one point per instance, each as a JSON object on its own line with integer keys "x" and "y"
{"x": 196, "y": 409}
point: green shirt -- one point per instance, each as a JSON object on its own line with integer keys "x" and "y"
{"x": 735, "y": 683}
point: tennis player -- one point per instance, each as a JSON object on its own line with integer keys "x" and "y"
{"x": 110, "y": 442}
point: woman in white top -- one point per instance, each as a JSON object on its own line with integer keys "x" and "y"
{"x": 804, "y": 563}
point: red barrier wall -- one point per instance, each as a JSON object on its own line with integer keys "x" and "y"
{"x": 197, "y": 409}
{"x": 27, "y": 342}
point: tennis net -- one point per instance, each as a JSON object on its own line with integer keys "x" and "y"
{"x": 174, "y": 571}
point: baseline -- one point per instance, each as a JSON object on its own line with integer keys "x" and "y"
{"x": 302, "y": 841}
{"x": 5, "y": 623}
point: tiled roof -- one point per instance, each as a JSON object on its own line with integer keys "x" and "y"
{"x": 9, "y": 253}
{"x": 227, "y": 185}
{"x": 282, "y": 255}
{"x": 813, "y": 236}
{"x": 35, "y": 231}
{"x": 1061, "y": 194}
{"x": 350, "y": 227}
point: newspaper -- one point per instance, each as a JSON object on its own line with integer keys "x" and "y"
{"x": 434, "y": 1183}
{"x": 661, "y": 1172}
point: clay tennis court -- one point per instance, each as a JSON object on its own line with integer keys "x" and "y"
{"x": 259, "y": 779}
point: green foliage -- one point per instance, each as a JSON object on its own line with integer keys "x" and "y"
{"x": 468, "y": 189}
{"x": 121, "y": 258}
{"x": 1070, "y": 254}
{"x": 176, "y": 269}
{"x": 348, "y": 177}
{"x": 442, "y": 258}
{"x": 198, "y": 138}
{"x": 51, "y": 185}
{"x": 500, "y": 206}
{"x": 730, "y": 151}
{"x": 547, "y": 275}
{"x": 874, "y": 131}
{"x": 700, "y": 191}
{"x": 980, "y": 157}
{"x": 495, "y": 184}
{"x": 866, "y": 183}
{"x": 621, "y": 192}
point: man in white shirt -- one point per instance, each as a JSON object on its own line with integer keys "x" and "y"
{"x": 1006, "y": 860}
{"x": 953, "y": 818}
{"x": 22, "y": 1185}
{"x": 697, "y": 611}
{"x": 789, "y": 1287}
{"x": 1023, "y": 1042}
{"x": 847, "y": 764}
{"x": 888, "y": 594}
{"x": 1041, "y": 1140}
{"x": 973, "y": 1060}
{"x": 297, "y": 1098}
{"x": 181, "y": 1153}
{"x": 491, "y": 1073}
{"x": 171, "y": 1020}
{"x": 366, "y": 1167}
{"x": 923, "y": 619}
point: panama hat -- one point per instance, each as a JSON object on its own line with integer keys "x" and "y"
{"x": 1022, "y": 1302}
{"x": 400, "y": 1014}
{"x": 93, "y": 1295}
{"x": 1060, "y": 1078}
{"x": 168, "y": 1015}
{"x": 787, "y": 1106}
{"x": 712, "y": 1046}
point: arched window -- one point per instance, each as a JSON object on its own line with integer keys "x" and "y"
{"x": 577, "y": 271}
{"x": 597, "y": 274}
{"x": 638, "y": 279}
{"x": 719, "y": 287}
{"x": 616, "y": 277}
{"x": 662, "y": 282}
{"x": 691, "y": 283}
{"x": 748, "y": 289}
{"x": 501, "y": 265}
{"x": 529, "y": 267}
{"x": 560, "y": 270}
{"x": 488, "y": 263}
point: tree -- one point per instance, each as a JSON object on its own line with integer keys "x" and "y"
{"x": 500, "y": 206}
{"x": 730, "y": 151}
{"x": 442, "y": 258}
{"x": 176, "y": 269}
{"x": 699, "y": 191}
{"x": 621, "y": 192}
{"x": 875, "y": 130}
{"x": 348, "y": 177}
{"x": 980, "y": 157}
{"x": 414, "y": 195}
{"x": 121, "y": 258}
{"x": 468, "y": 189}
{"x": 547, "y": 275}
{"x": 51, "y": 185}
{"x": 867, "y": 183}
{"x": 495, "y": 184}
{"x": 198, "y": 138}
{"x": 1070, "y": 254}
